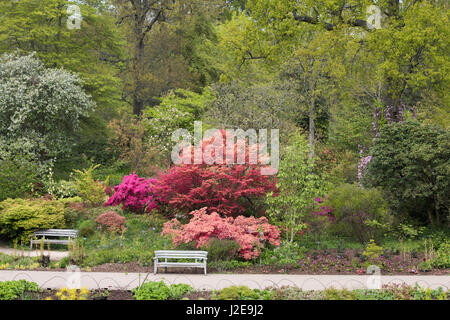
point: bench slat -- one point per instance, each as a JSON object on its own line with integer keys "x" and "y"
{"x": 50, "y": 241}
{"x": 180, "y": 264}
{"x": 54, "y": 232}
{"x": 179, "y": 251}
{"x": 180, "y": 255}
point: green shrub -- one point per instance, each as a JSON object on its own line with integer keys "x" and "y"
{"x": 59, "y": 189}
{"x": 64, "y": 262}
{"x": 410, "y": 162}
{"x": 17, "y": 178}
{"x": 87, "y": 228}
{"x": 339, "y": 294}
{"x": 63, "y": 189}
{"x": 11, "y": 290}
{"x": 160, "y": 291}
{"x": 358, "y": 212}
{"x": 294, "y": 293}
{"x": 156, "y": 220}
{"x": 237, "y": 293}
{"x": 425, "y": 266}
{"x": 429, "y": 294}
{"x": 287, "y": 254}
{"x": 90, "y": 190}
{"x": 372, "y": 251}
{"x": 176, "y": 291}
{"x": 221, "y": 250}
{"x": 74, "y": 211}
{"x": 16, "y": 261}
{"x": 152, "y": 291}
{"x": 442, "y": 259}
{"x": 19, "y": 217}
{"x": 374, "y": 294}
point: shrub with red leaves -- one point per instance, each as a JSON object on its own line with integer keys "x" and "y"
{"x": 228, "y": 189}
{"x": 111, "y": 221}
{"x": 223, "y": 189}
{"x": 249, "y": 232}
{"x": 134, "y": 193}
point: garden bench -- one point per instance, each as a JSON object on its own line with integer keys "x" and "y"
{"x": 200, "y": 258}
{"x": 65, "y": 233}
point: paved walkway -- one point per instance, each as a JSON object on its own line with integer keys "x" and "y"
{"x": 128, "y": 281}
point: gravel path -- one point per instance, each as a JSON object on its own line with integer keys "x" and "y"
{"x": 128, "y": 281}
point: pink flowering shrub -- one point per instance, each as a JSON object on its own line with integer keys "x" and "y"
{"x": 322, "y": 210}
{"x": 134, "y": 194}
{"x": 111, "y": 221}
{"x": 250, "y": 233}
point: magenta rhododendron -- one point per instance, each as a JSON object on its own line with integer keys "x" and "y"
{"x": 322, "y": 210}
{"x": 134, "y": 193}
{"x": 250, "y": 233}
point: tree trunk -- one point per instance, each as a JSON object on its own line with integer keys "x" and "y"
{"x": 311, "y": 129}
{"x": 430, "y": 216}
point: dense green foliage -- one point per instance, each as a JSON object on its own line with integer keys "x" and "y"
{"x": 161, "y": 291}
{"x": 11, "y": 290}
{"x": 358, "y": 213}
{"x": 18, "y": 177}
{"x": 299, "y": 183}
{"x": 411, "y": 162}
{"x": 19, "y": 217}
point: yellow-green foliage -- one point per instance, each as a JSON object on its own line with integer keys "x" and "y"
{"x": 89, "y": 189}
{"x": 19, "y": 217}
{"x": 373, "y": 251}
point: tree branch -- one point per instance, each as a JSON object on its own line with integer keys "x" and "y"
{"x": 330, "y": 26}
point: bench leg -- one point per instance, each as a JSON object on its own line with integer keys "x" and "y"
{"x": 155, "y": 266}
{"x": 205, "y": 268}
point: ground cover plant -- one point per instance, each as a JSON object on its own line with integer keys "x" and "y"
{"x": 21, "y": 289}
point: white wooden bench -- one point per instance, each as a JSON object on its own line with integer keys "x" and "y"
{"x": 59, "y": 233}
{"x": 199, "y": 257}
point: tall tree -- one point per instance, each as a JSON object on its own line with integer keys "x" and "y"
{"x": 164, "y": 39}
{"x": 140, "y": 16}
{"x": 93, "y": 49}
{"x": 408, "y": 39}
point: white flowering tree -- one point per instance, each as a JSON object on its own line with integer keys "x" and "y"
{"x": 40, "y": 108}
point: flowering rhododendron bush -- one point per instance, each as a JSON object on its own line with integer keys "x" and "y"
{"x": 223, "y": 189}
{"x": 111, "y": 221}
{"x": 249, "y": 232}
{"x": 134, "y": 193}
{"x": 229, "y": 190}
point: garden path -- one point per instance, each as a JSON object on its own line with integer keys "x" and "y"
{"x": 128, "y": 281}
{"x": 54, "y": 255}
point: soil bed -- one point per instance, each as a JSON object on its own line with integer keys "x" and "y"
{"x": 324, "y": 262}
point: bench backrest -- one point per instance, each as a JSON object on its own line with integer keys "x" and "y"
{"x": 57, "y": 232}
{"x": 179, "y": 254}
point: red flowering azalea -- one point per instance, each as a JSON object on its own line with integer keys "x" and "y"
{"x": 250, "y": 233}
{"x": 223, "y": 189}
{"x": 228, "y": 189}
